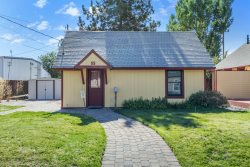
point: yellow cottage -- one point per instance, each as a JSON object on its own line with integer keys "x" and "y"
{"x": 102, "y": 69}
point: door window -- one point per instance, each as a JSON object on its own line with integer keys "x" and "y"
{"x": 95, "y": 79}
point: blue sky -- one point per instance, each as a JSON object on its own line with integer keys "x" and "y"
{"x": 51, "y": 16}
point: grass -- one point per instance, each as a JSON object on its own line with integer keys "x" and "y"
{"x": 50, "y": 139}
{"x": 213, "y": 138}
{"x": 7, "y": 108}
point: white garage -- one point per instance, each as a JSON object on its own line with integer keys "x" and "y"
{"x": 45, "y": 89}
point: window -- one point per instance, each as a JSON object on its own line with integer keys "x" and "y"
{"x": 95, "y": 81}
{"x": 174, "y": 85}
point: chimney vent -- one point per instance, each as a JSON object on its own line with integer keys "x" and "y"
{"x": 247, "y": 39}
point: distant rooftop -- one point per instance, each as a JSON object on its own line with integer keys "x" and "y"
{"x": 239, "y": 58}
{"x": 22, "y": 58}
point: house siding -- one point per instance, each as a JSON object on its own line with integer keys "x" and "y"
{"x": 234, "y": 84}
{"x": 72, "y": 85}
{"x": 131, "y": 84}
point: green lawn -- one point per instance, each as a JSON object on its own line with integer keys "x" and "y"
{"x": 7, "y": 108}
{"x": 50, "y": 139}
{"x": 217, "y": 138}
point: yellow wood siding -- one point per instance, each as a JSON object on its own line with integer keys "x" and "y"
{"x": 93, "y": 58}
{"x": 72, "y": 85}
{"x": 134, "y": 84}
{"x": 131, "y": 84}
{"x": 234, "y": 84}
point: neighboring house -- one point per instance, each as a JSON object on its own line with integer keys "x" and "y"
{"x": 21, "y": 68}
{"x": 232, "y": 76}
{"x": 136, "y": 64}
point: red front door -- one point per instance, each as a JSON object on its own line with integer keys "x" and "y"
{"x": 95, "y": 88}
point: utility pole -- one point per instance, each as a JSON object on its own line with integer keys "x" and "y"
{"x": 9, "y": 64}
{"x": 31, "y": 64}
{"x": 223, "y": 45}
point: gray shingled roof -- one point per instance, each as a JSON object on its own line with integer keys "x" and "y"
{"x": 135, "y": 49}
{"x": 240, "y": 57}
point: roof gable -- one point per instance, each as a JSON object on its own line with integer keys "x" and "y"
{"x": 92, "y": 59}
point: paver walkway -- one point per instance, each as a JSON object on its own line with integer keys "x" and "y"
{"x": 130, "y": 143}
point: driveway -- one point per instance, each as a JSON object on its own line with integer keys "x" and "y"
{"x": 49, "y": 106}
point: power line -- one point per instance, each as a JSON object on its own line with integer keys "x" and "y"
{"x": 28, "y": 28}
{"x": 16, "y": 18}
{"x": 31, "y": 51}
{"x": 23, "y": 44}
{"x": 27, "y": 37}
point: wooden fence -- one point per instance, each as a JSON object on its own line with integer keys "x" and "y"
{"x": 12, "y": 88}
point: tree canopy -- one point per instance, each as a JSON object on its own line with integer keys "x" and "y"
{"x": 47, "y": 62}
{"x": 118, "y": 15}
{"x": 208, "y": 18}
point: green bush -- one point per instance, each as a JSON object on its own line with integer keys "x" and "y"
{"x": 154, "y": 103}
{"x": 207, "y": 99}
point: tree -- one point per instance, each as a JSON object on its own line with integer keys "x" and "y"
{"x": 119, "y": 15}
{"x": 47, "y": 62}
{"x": 208, "y": 18}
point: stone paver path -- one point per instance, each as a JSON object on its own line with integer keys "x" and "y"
{"x": 130, "y": 143}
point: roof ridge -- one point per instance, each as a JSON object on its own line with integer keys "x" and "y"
{"x": 131, "y": 31}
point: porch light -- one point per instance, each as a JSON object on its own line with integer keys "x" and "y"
{"x": 115, "y": 90}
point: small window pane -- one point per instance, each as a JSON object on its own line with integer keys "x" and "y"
{"x": 174, "y": 79}
{"x": 174, "y": 89}
{"x": 175, "y": 83}
{"x": 174, "y": 74}
{"x": 95, "y": 81}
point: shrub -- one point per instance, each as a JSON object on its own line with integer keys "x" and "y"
{"x": 180, "y": 105}
{"x": 207, "y": 99}
{"x": 154, "y": 103}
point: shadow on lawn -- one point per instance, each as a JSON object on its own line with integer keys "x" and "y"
{"x": 85, "y": 120}
{"x": 101, "y": 115}
{"x": 166, "y": 118}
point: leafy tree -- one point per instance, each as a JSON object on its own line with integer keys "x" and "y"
{"x": 208, "y": 18}
{"x": 47, "y": 62}
{"x": 119, "y": 15}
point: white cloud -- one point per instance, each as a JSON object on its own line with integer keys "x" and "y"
{"x": 7, "y": 36}
{"x": 30, "y": 25}
{"x": 43, "y": 25}
{"x": 17, "y": 40}
{"x": 60, "y": 28}
{"x": 163, "y": 11}
{"x": 13, "y": 38}
{"x": 40, "y": 3}
{"x": 53, "y": 42}
{"x": 69, "y": 9}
